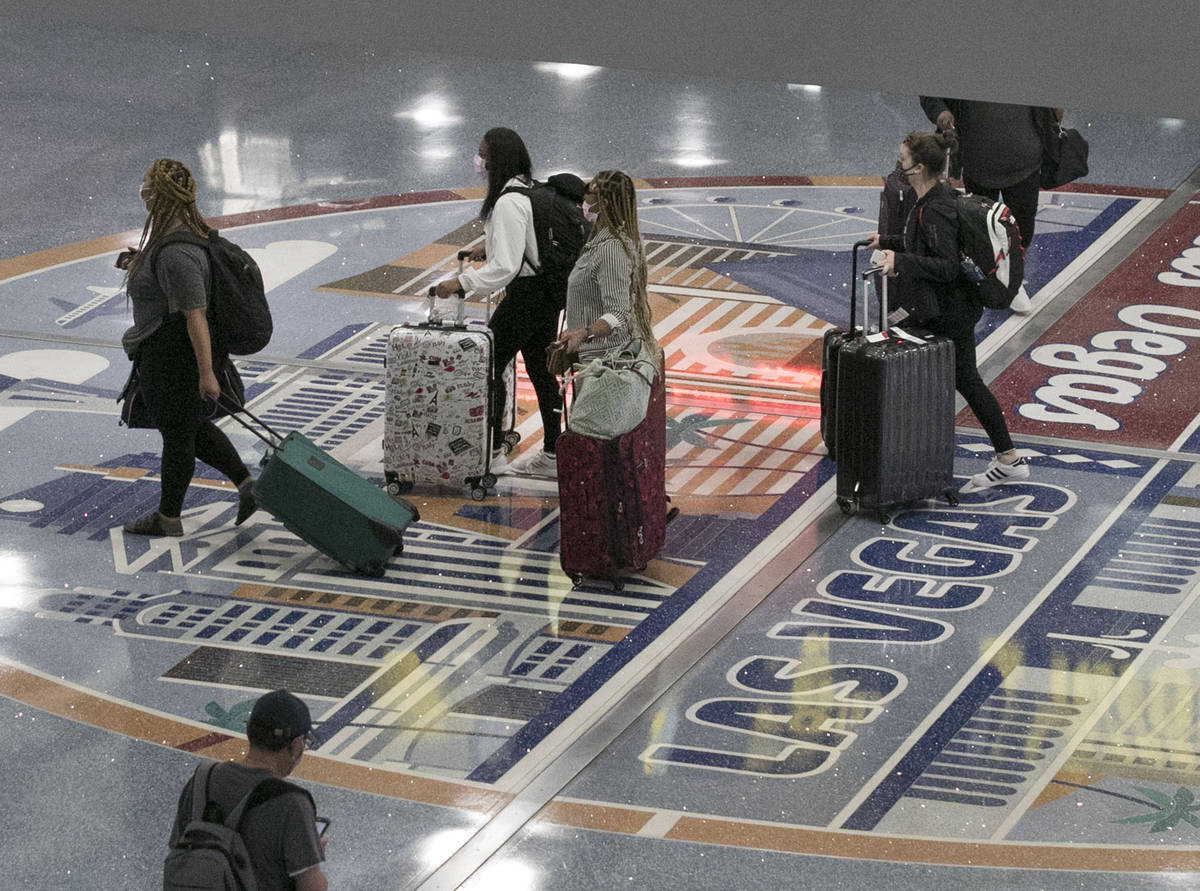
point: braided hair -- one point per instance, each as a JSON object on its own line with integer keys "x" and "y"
{"x": 172, "y": 199}
{"x": 616, "y": 209}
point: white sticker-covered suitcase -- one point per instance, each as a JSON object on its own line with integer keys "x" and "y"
{"x": 437, "y": 429}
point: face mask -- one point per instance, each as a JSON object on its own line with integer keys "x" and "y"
{"x": 588, "y": 214}
{"x": 480, "y": 165}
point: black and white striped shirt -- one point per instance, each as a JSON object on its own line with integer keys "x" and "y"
{"x": 599, "y": 289}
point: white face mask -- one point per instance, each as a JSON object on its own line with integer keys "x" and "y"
{"x": 480, "y": 165}
{"x": 589, "y": 214}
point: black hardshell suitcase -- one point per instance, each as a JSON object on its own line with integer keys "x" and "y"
{"x": 831, "y": 345}
{"x": 895, "y": 417}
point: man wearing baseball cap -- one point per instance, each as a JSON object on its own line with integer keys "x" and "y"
{"x": 279, "y": 822}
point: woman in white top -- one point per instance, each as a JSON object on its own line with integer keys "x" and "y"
{"x": 607, "y": 305}
{"x": 526, "y": 320}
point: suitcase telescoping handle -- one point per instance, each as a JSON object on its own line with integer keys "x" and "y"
{"x": 463, "y": 255}
{"x": 460, "y": 298}
{"x": 236, "y": 409}
{"x": 883, "y": 313}
{"x": 875, "y": 274}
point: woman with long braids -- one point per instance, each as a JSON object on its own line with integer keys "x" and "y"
{"x": 607, "y": 305}
{"x": 526, "y": 320}
{"x": 171, "y": 348}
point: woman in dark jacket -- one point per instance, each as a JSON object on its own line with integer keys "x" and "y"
{"x": 926, "y": 261}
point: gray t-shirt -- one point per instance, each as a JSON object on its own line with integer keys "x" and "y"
{"x": 280, "y": 834}
{"x": 178, "y": 281}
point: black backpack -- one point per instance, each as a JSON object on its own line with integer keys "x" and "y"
{"x": 558, "y": 223}
{"x": 210, "y": 852}
{"x": 989, "y": 244}
{"x": 238, "y": 313}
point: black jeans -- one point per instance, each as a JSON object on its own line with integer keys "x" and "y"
{"x": 967, "y": 379}
{"x": 170, "y": 385}
{"x": 527, "y": 321}
{"x": 1021, "y": 198}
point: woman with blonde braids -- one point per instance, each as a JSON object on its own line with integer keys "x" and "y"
{"x": 607, "y": 305}
{"x": 174, "y": 366}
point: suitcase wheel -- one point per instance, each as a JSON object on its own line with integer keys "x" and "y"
{"x": 511, "y": 438}
{"x": 951, "y": 498}
{"x": 395, "y": 485}
{"x": 478, "y": 493}
{"x": 847, "y": 505}
{"x": 488, "y": 481}
{"x": 885, "y": 517}
{"x": 672, "y": 514}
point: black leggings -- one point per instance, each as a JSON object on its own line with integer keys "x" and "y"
{"x": 527, "y": 321}
{"x": 968, "y": 381}
{"x": 170, "y": 384}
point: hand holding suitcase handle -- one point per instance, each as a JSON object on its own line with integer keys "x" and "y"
{"x": 460, "y": 320}
{"x": 883, "y": 308}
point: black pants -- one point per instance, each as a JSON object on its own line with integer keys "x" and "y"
{"x": 967, "y": 379}
{"x": 170, "y": 385}
{"x": 1021, "y": 198}
{"x": 527, "y": 321}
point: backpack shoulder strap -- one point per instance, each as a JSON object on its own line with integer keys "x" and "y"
{"x": 200, "y": 787}
{"x": 263, "y": 791}
{"x": 182, "y": 236}
{"x": 528, "y": 192}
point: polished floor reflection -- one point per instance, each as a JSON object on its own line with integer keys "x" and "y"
{"x": 998, "y": 694}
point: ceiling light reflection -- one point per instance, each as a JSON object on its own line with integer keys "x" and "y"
{"x": 436, "y": 152}
{"x": 14, "y": 573}
{"x": 694, "y": 160}
{"x": 436, "y": 849}
{"x": 804, "y": 88}
{"x": 430, "y": 113}
{"x": 510, "y": 873}
{"x": 567, "y": 70}
{"x": 249, "y": 169}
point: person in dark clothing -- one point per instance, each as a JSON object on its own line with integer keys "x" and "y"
{"x": 170, "y": 345}
{"x": 526, "y": 320}
{"x": 1001, "y": 148}
{"x": 926, "y": 259}
{"x": 280, "y": 834}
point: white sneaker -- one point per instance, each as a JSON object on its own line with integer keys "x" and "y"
{"x": 997, "y": 473}
{"x": 1021, "y": 304}
{"x": 542, "y": 464}
{"x": 499, "y": 464}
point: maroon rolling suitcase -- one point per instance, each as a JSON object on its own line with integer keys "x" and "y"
{"x": 612, "y": 497}
{"x": 895, "y": 416}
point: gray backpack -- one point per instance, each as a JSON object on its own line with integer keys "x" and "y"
{"x": 210, "y": 854}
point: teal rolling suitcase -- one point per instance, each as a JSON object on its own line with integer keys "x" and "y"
{"x": 328, "y": 505}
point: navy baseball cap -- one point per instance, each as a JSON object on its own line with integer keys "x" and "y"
{"x": 281, "y": 715}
